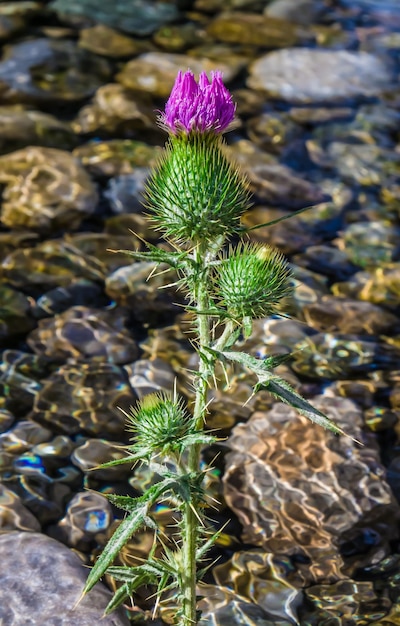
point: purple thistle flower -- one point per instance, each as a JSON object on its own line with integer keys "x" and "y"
{"x": 198, "y": 107}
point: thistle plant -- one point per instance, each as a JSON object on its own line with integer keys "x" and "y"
{"x": 195, "y": 197}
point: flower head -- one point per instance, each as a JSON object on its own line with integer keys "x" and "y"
{"x": 200, "y": 107}
{"x": 252, "y": 280}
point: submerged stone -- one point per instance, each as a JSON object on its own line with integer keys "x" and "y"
{"x": 299, "y": 490}
{"x": 84, "y": 333}
{"x": 45, "y": 70}
{"x": 20, "y": 128}
{"x": 116, "y": 156}
{"x": 305, "y": 75}
{"x": 46, "y": 189}
{"x": 138, "y": 17}
{"x": 116, "y": 111}
{"x": 87, "y": 396}
{"x": 155, "y": 72}
{"x": 41, "y": 580}
{"x": 53, "y": 263}
{"x": 106, "y": 41}
{"x": 254, "y": 30}
{"x": 14, "y": 515}
{"x": 86, "y": 519}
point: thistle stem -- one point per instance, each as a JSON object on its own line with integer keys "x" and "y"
{"x": 190, "y": 522}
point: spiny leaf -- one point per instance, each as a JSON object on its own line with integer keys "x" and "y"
{"x": 123, "y": 533}
{"x": 258, "y": 366}
{"x": 279, "y": 219}
{"x": 127, "y": 459}
{"x": 118, "y": 598}
{"x": 281, "y": 389}
{"x": 138, "y": 508}
{"x": 158, "y": 255}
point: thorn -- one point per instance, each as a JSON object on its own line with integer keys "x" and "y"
{"x": 197, "y": 515}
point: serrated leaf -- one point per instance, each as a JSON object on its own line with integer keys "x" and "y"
{"x": 254, "y": 364}
{"x": 127, "y": 459}
{"x": 122, "y": 573}
{"x": 281, "y": 389}
{"x": 158, "y": 255}
{"x": 138, "y": 508}
{"x": 198, "y": 438}
{"x": 279, "y": 219}
{"x": 118, "y": 598}
{"x": 126, "y": 503}
{"x": 122, "y": 534}
{"x": 203, "y": 549}
{"x": 146, "y": 573}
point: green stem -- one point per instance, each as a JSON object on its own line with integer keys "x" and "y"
{"x": 190, "y": 523}
{"x": 228, "y": 331}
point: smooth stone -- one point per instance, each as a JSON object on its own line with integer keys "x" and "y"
{"x": 20, "y": 128}
{"x": 21, "y": 8}
{"x": 53, "y": 263}
{"x": 216, "y": 6}
{"x": 6, "y": 420}
{"x": 390, "y": 6}
{"x": 77, "y": 293}
{"x": 155, "y": 72}
{"x": 87, "y": 517}
{"x": 300, "y": 490}
{"x": 303, "y": 12}
{"x": 14, "y": 515}
{"x": 15, "y": 319}
{"x": 220, "y": 605}
{"x": 85, "y": 397}
{"x": 23, "y": 436}
{"x": 117, "y": 111}
{"x": 254, "y": 30}
{"x": 148, "y": 299}
{"x": 108, "y": 42}
{"x": 46, "y": 70}
{"x": 84, "y": 333}
{"x": 41, "y": 582}
{"x": 116, "y": 156}
{"x": 138, "y": 17}
{"x": 332, "y": 314}
{"x": 125, "y": 193}
{"x": 302, "y": 75}
{"x": 320, "y": 115}
{"x": 46, "y": 189}
{"x": 178, "y": 38}
{"x": 94, "y": 452}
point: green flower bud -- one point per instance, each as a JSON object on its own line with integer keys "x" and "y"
{"x": 195, "y": 193}
{"x": 160, "y": 423}
{"x": 252, "y": 280}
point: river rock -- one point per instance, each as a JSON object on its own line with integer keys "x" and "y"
{"x": 155, "y": 72}
{"x": 85, "y": 397}
{"x": 303, "y": 12}
{"x": 116, "y": 157}
{"x": 116, "y": 111}
{"x": 300, "y": 490}
{"x": 139, "y": 17}
{"x": 41, "y": 581}
{"x": 53, "y": 263}
{"x": 14, "y": 515}
{"x": 108, "y": 42}
{"x": 20, "y": 128}
{"x": 84, "y": 333}
{"x": 46, "y": 70}
{"x": 255, "y": 30}
{"x": 46, "y": 189}
{"x": 302, "y": 75}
